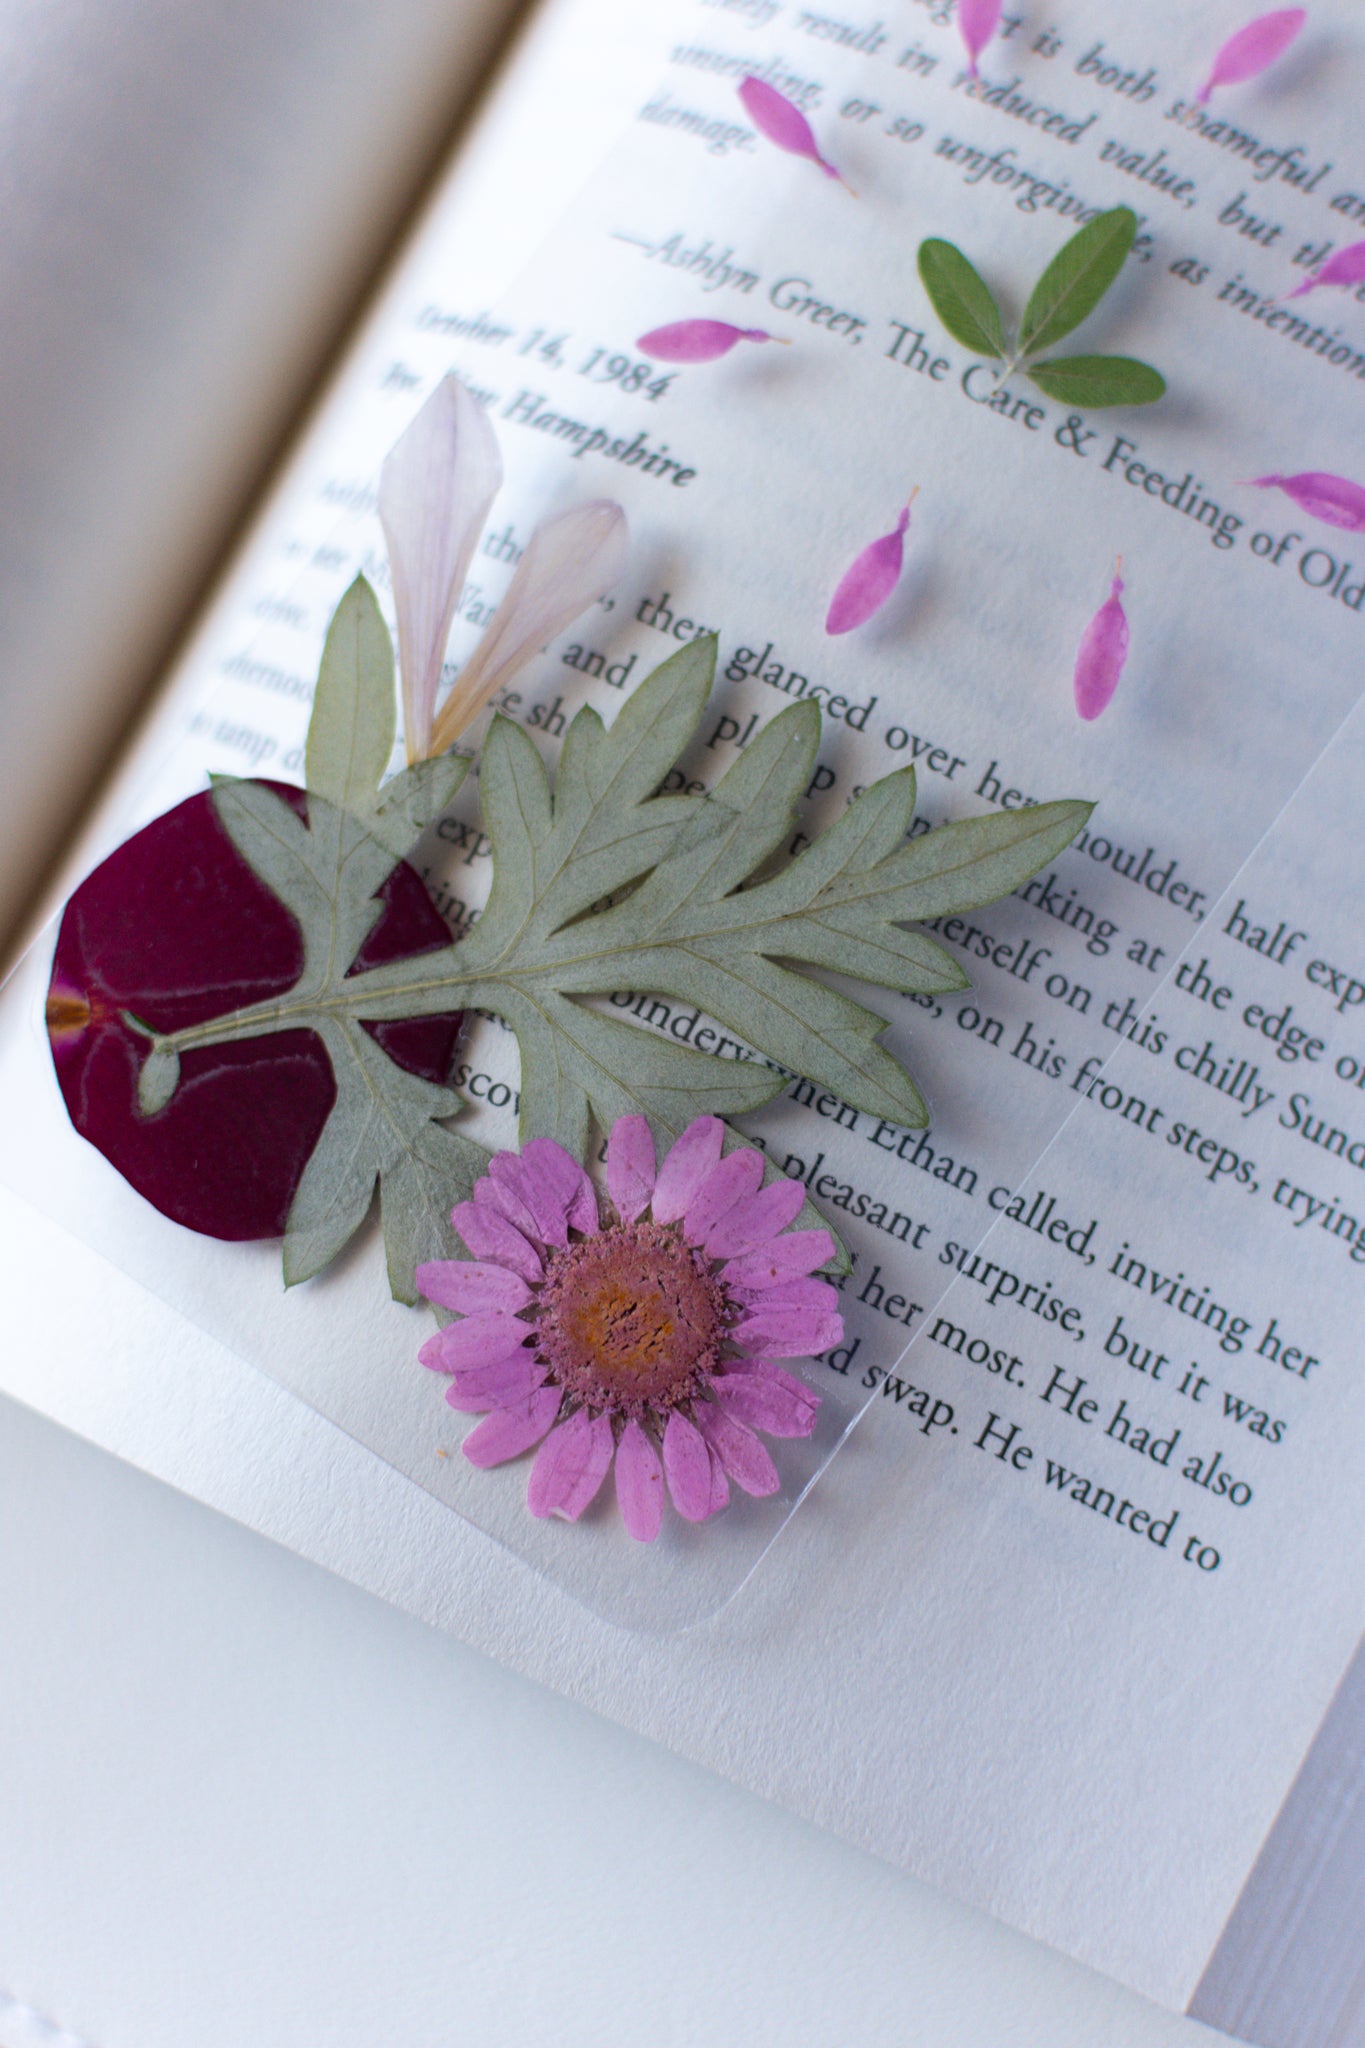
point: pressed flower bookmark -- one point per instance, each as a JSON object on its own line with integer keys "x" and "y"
{"x": 1103, "y": 652}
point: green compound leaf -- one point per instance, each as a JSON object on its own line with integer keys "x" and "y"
{"x": 1077, "y": 279}
{"x": 1096, "y": 381}
{"x": 962, "y": 299}
{"x": 602, "y": 885}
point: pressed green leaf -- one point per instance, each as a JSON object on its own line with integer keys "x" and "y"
{"x": 158, "y": 1077}
{"x": 962, "y": 299}
{"x": 351, "y": 732}
{"x": 1077, "y": 278}
{"x": 409, "y": 802}
{"x": 1097, "y": 381}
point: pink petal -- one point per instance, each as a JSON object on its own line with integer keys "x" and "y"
{"x": 1253, "y": 48}
{"x": 467, "y": 1286}
{"x": 738, "y": 1176}
{"x": 507, "y": 1432}
{"x": 865, "y": 587}
{"x": 686, "y": 1163}
{"x": 755, "y": 1221}
{"x": 978, "y": 21}
{"x": 501, "y": 1385}
{"x": 1346, "y": 267}
{"x": 1101, "y": 655}
{"x": 788, "y": 1294}
{"x": 738, "y": 1449}
{"x": 720, "y": 1485}
{"x": 639, "y": 1483}
{"x": 569, "y": 562}
{"x": 789, "y": 1332}
{"x": 696, "y": 341}
{"x": 489, "y": 1235}
{"x": 478, "y": 1340}
{"x": 782, "y": 1258}
{"x": 558, "y": 1189}
{"x": 687, "y": 1468}
{"x": 630, "y": 1166}
{"x": 1333, "y": 499}
{"x": 503, "y": 1190}
{"x": 774, "y": 116}
{"x": 435, "y": 489}
{"x": 758, "y": 1402}
{"x": 570, "y": 1466}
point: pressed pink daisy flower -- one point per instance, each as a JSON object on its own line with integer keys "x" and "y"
{"x": 647, "y": 1341}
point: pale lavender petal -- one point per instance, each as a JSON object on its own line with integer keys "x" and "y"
{"x": 687, "y": 1468}
{"x": 780, "y": 1259}
{"x": 478, "y": 1340}
{"x": 755, "y": 1221}
{"x": 1101, "y": 655}
{"x": 1346, "y": 267}
{"x": 489, "y": 1235}
{"x": 639, "y": 1483}
{"x": 978, "y": 21}
{"x": 507, "y": 1432}
{"x": 865, "y": 587}
{"x": 818, "y": 1294}
{"x": 502, "y": 1189}
{"x": 468, "y": 1286}
{"x": 570, "y": 1466}
{"x": 630, "y": 1166}
{"x": 558, "y": 1190}
{"x": 775, "y": 116}
{"x": 696, "y": 341}
{"x": 789, "y": 1332}
{"x": 720, "y": 1485}
{"x": 569, "y": 562}
{"x": 1333, "y": 499}
{"x": 501, "y": 1385}
{"x": 755, "y": 1400}
{"x": 435, "y": 489}
{"x": 686, "y": 1164}
{"x": 734, "y": 1179}
{"x": 738, "y": 1449}
{"x": 1253, "y": 48}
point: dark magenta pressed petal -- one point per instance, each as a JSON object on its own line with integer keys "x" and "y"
{"x": 175, "y": 927}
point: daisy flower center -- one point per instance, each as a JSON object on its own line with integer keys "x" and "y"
{"x": 631, "y": 1319}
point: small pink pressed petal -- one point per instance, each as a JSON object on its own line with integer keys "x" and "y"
{"x": 753, "y": 1222}
{"x": 500, "y": 1385}
{"x": 720, "y": 1485}
{"x": 783, "y": 1258}
{"x": 734, "y": 1179}
{"x": 630, "y": 1166}
{"x": 756, "y": 1401}
{"x": 789, "y": 1294}
{"x": 436, "y": 486}
{"x": 687, "y": 1468}
{"x": 502, "y": 1190}
{"x": 1102, "y": 654}
{"x": 555, "y": 1185}
{"x": 479, "y": 1340}
{"x": 468, "y": 1286}
{"x": 865, "y": 587}
{"x": 569, "y": 563}
{"x": 570, "y": 1466}
{"x": 507, "y": 1432}
{"x": 784, "y": 124}
{"x": 739, "y": 1451}
{"x": 639, "y": 1484}
{"x": 1333, "y": 499}
{"x": 686, "y": 1163}
{"x": 696, "y": 341}
{"x": 789, "y": 1333}
{"x": 489, "y": 1235}
{"x": 978, "y": 21}
{"x": 1346, "y": 267}
{"x": 1253, "y": 49}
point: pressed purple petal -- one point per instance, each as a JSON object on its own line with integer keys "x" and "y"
{"x": 756, "y": 1220}
{"x": 978, "y": 21}
{"x": 489, "y": 1235}
{"x": 686, "y": 1163}
{"x": 738, "y": 1449}
{"x": 630, "y": 1166}
{"x": 865, "y": 587}
{"x": 1101, "y": 655}
{"x": 478, "y": 1340}
{"x": 570, "y": 1466}
{"x": 720, "y": 1485}
{"x": 754, "y": 1399}
{"x": 734, "y": 1179}
{"x": 639, "y": 1483}
{"x": 1346, "y": 267}
{"x": 469, "y": 1286}
{"x": 502, "y": 1189}
{"x": 1253, "y": 48}
{"x": 569, "y": 562}
{"x": 780, "y": 1259}
{"x": 788, "y": 1294}
{"x": 696, "y": 341}
{"x": 1333, "y": 499}
{"x": 507, "y": 1432}
{"x": 789, "y": 1332}
{"x": 500, "y": 1385}
{"x": 775, "y": 116}
{"x": 687, "y": 1468}
{"x": 558, "y": 1190}
{"x": 435, "y": 490}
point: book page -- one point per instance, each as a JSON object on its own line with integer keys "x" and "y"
{"x": 1116, "y": 1465}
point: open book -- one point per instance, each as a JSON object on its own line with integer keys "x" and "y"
{"x": 1070, "y": 1622}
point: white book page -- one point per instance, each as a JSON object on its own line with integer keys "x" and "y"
{"x": 1019, "y": 1637}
